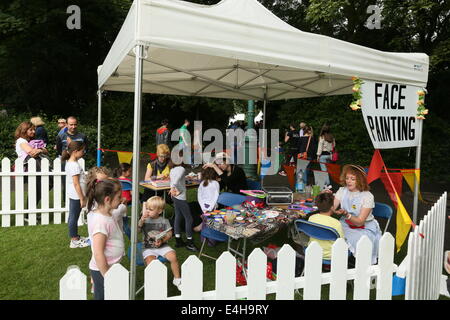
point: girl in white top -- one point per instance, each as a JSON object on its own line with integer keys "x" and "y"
{"x": 208, "y": 190}
{"x": 356, "y": 203}
{"x": 108, "y": 247}
{"x": 76, "y": 190}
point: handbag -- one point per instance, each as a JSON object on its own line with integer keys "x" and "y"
{"x": 304, "y": 155}
{"x": 334, "y": 154}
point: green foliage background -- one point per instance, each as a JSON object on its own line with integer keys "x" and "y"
{"x": 49, "y": 70}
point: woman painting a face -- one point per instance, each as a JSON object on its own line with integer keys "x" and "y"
{"x": 357, "y": 202}
{"x": 232, "y": 177}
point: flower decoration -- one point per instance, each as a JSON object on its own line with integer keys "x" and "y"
{"x": 357, "y": 96}
{"x": 421, "y": 110}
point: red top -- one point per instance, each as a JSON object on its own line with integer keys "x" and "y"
{"x": 126, "y": 193}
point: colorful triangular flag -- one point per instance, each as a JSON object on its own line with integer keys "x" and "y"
{"x": 375, "y": 167}
{"x": 125, "y": 157}
{"x": 395, "y": 187}
{"x": 403, "y": 222}
{"x": 409, "y": 178}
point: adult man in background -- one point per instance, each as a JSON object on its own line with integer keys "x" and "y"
{"x": 72, "y": 134}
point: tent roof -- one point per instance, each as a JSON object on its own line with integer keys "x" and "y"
{"x": 239, "y": 49}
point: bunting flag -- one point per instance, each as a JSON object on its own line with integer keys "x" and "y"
{"x": 125, "y": 157}
{"x": 375, "y": 167}
{"x": 302, "y": 164}
{"x": 320, "y": 177}
{"x": 395, "y": 187}
{"x": 334, "y": 170}
{"x": 403, "y": 222}
{"x": 409, "y": 178}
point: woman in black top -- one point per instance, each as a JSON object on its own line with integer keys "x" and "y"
{"x": 232, "y": 177}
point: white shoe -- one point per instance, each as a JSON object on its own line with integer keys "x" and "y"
{"x": 78, "y": 243}
{"x": 86, "y": 239}
{"x": 177, "y": 283}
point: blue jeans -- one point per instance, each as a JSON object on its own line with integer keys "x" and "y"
{"x": 74, "y": 214}
{"x": 182, "y": 210}
{"x": 99, "y": 285}
{"x": 325, "y": 158}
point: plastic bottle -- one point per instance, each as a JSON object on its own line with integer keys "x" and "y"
{"x": 300, "y": 184}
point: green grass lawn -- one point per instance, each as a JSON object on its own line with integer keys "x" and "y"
{"x": 35, "y": 258}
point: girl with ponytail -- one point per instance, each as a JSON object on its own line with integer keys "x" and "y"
{"x": 76, "y": 190}
{"x": 107, "y": 244}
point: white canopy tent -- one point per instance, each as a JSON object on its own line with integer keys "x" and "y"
{"x": 235, "y": 49}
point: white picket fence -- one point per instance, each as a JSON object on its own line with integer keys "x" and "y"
{"x": 20, "y": 212}
{"x": 425, "y": 258}
{"x": 74, "y": 283}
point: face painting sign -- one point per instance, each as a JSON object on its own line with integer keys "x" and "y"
{"x": 389, "y": 111}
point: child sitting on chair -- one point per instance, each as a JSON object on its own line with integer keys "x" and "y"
{"x": 157, "y": 232}
{"x": 324, "y": 202}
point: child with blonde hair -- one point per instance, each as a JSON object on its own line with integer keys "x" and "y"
{"x": 157, "y": 231}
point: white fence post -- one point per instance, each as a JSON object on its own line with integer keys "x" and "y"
{"x": 72, "y": 285}
{"x": 32, "y": 205}
{"x": 155, "y": 281}
{"x": 313, "y": 272}
{"x": 117, "y": 283}
{"x": 192, "y": 279}
{"x": 19, "y": 192}
{"x": 57, "y": 190}
{"x": 226, "y": 277}
{"x": 6, "y": 192}
{"x": 45, "y": 190}
{"x": 339, "y": 261}
{"x": 285, "y": 273}
{"x": 257, "y": 266}
{"x": 363, "y": 264}
{"x": 385, "y": 267}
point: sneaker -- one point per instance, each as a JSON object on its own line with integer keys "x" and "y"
{"x": 191, "y": 246}
{"x": 78, "y": 244}
{"x": 179, "y": 243}
{"x": 177, "y": 283}
{"x": 86, "y": 239}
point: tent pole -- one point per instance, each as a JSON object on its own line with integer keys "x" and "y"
{"x": 99, "y": 128}
{"x": 136, "y": 152}
{"x": 264, "y": 135}
{"x": 416, "y": 182}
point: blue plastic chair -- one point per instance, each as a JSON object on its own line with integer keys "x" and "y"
{"x": 229, "y": 199}
{"x": 383, "y": 210}
{"x": 208, "y": 233}
{"x": 318, "y": 231}
{"x": 126, "y": 185}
